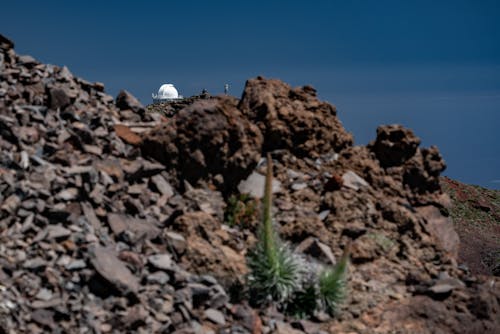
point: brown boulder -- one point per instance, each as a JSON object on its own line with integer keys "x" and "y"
{"x": 293, "y": 118}
{"x": 59, "y": 97}
{"x": 207, "y": 139}
{"x": 127, "y": 101}
{"x": 421, "y": 172}
{"x": 394, "y": 145}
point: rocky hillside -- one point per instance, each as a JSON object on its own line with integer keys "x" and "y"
{"x": 476, "y": 214}
{"x": 114, "y": 219}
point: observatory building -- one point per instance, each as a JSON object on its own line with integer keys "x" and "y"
{"x": 167, "y": 92}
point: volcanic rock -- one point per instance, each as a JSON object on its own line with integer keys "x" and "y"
{"x": 125, "y": 101}
{"x": 206, "y": 139}
{"x": 394, "y": 145}
{"x": 293, "y": 118}
{"x": 107, "y": 264}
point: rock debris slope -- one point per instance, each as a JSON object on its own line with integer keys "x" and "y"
{"x": 112, "y": 218}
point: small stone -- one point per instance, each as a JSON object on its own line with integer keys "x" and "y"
{"x": 138, "y": 227}
{"x": 441, "y": 288}
{"x": 35, "y": 263}
{"x": 76, "y": 265}
{"x": 78, "y": 170}
{"x": 294, "y": 174}
{"x": 68, "y": 194}
{"x": 254, "y": 185}
{"x": 136, "y": 189}
{"x": 25, "y": 160}
{"x": 299, "y": 186}
{"x": 317, "y": 249}
{"x": 96, "y": 150}
{"x": 11, "y": 204}
{"x": 59, "y": 98}
{"x": 176, "y": 241}
{"x": 445, "y": 285}
{"x": 125, "y": 101}
{"x": 215, "y": 316}
{"x": 107, "y": 264}
{"x": 105, "y": 328}
{"x": 56, "y": 232}
{"x": 323, "y": 214}
{"x": 27, "y": 60}
{"x": 162, "y": 185}
{"x": 159, "y": 277}
{"x": 353, "y": 181}
{"x": 44, "y": 317}
{"x": 44, "y": 294}
{"x": 161, "y": 261}
{"x": 219, "y": 298}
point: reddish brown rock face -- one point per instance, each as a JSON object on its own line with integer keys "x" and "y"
{"x": 206, "y": 139}
{"x": 394, "y": 145}
{"x": 293, "y": 118}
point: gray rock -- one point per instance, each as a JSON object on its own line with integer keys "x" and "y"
{"x": 59, "y": 98}
{"x": 125, "y": 101}
{"x": 353, "y": 181}
{"x": 107, "y": 264}
{"x": 161, "y": 261}
{"x": 254, "y": 185}
{"x": 441, "y": 288}
{"x": 159, "y": 277}
{"x": 162, "y": 185}
{"x": 323, "y": 214}
{"x": 139, "y": 228}
{"x": 11, "y": 204}
{"x": 218, "y": 298}
{"x": 65, "y": 74}
{"x": 76, "y": 265}
{"x": 176, "y": 241}
{"x": 35, "y": 263}
{"x": 292, "y": 174}
{"x": 56, "y": 232}
{"x": 317, "y": 249}
{"x": 27, "y": 60}
{"x": 184, "y": 298}
{"x": 215, "y": 316}
{"x": 93, "y": 149}
{"x": 299, "y": 186}
{"x": 445, "y": 285}
{"x": 208, "y": 280}
{"x": 44, "y": 294}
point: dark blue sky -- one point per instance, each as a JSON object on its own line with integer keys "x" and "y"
{"x": 433, "y": 66}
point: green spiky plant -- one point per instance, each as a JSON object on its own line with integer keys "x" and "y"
{"x": 275, "y": 272}
{"x": 280, "y": 276}
{"x": 332, "y": 284}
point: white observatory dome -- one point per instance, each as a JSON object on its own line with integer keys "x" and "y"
{"x": 168, "y": 91}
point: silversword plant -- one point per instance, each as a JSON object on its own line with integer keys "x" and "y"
{"x": 278, "y": 275}
{"x": 275, "y": 272}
